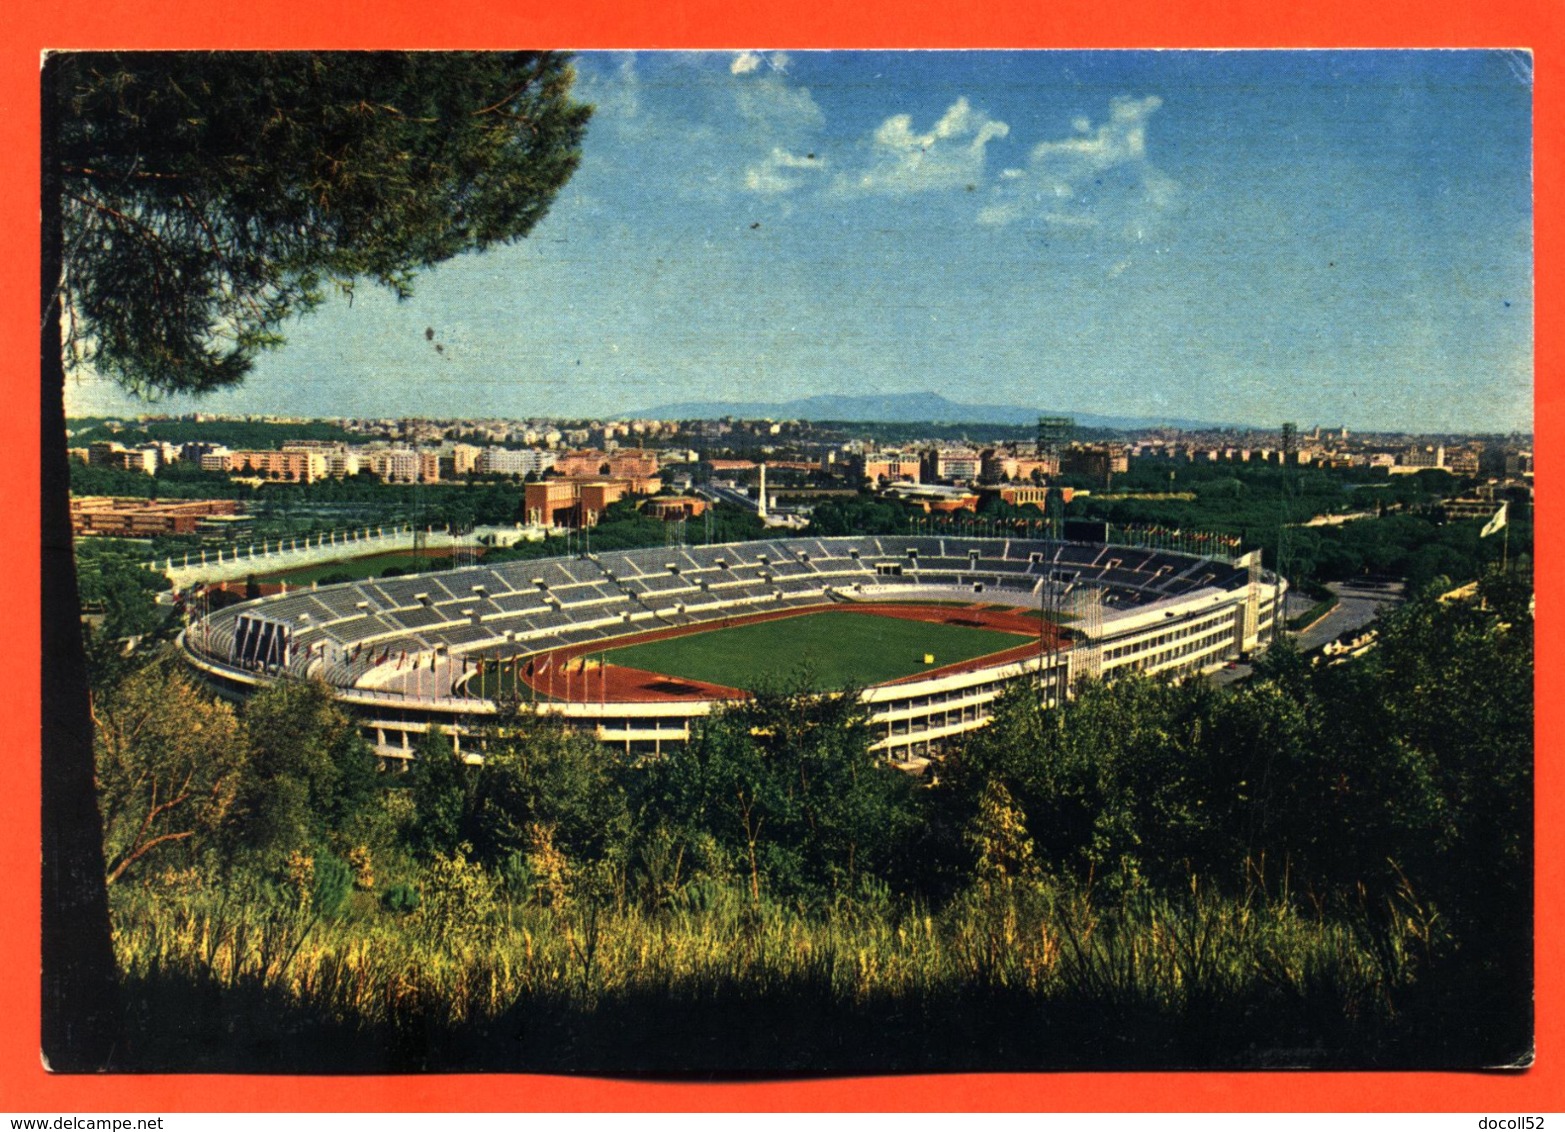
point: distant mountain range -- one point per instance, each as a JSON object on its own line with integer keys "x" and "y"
{"x": 896, "y": 408}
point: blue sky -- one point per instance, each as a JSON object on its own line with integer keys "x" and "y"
{"x": 1325, "y": 237}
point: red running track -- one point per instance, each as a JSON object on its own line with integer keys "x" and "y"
{"x": 591, "y": 682}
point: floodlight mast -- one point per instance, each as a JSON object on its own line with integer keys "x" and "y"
{"x": 1054, "y": 437}
{"x": 1288, "y": 455}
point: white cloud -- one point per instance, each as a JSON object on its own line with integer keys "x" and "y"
{"x": 748, "y": 62}
{"x": 774, "y": 107}
{"x": 1122, "y": 138}
{"x": 780, "y": 122}
{"x": 950, "y": 155}
{"x": 1008, "y": 212}
{"x": 1099, "y": 178}
{"x": 781, "y": 171}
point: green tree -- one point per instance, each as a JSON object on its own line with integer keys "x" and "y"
{"x": 538, "y": 774}
{"x": 192, "y": 204}
{"x": 786, "y": 787}
{"x": 998, "y": 836}
{"x": 309, "y": 771}
{"x": 169, "y": 759}
{"x": 440, "y": 789}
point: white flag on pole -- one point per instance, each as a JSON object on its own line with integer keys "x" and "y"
{"x": 1495, "y": 523}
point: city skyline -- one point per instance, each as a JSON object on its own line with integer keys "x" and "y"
{"x": 1332, "y": 237}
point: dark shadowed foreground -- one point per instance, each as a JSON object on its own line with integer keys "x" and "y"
{"x": 1322, "y": 866}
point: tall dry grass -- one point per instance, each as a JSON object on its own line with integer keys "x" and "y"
{"x": 1011, "y": 975}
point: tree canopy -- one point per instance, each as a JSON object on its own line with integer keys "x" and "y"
{"x": 208, "y": 197}
{"x": 192, "y": 204}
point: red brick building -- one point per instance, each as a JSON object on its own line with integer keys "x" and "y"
{"x": 144, "y": 518}
{"x": 578, "y": 501}
{"x": 670, "y": 508}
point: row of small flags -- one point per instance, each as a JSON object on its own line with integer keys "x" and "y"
{"x": 987, "y": 523}
{"x": 1190, "y": 537}
{"x": 1176, "y": 534}
{"x": 479, "y": 664}
{"x": 532, "y": 668}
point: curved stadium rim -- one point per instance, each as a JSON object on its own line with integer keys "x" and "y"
{"x": 374, "y": 641}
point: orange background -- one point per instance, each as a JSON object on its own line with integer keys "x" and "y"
{"x": 29, "y": 26}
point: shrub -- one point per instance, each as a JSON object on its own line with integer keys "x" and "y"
{"x": 333, "y": 882}
{"x": 401, "y": 899}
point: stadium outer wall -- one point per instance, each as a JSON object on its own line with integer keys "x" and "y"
{"x": 1128, "y": 608}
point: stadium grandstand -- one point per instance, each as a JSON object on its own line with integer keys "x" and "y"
{"x": 570, "y": 637}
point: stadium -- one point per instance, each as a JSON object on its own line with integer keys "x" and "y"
{"x": 636, "y": 646}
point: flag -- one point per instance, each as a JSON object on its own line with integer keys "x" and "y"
{"x": 1497, "y": 522}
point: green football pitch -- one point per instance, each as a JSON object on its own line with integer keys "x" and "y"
{"x": 836, "y": 649}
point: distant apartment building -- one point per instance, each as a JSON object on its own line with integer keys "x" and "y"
{"x": 1463, "y": 461}
{"x": 341, "y": 459}
{"x": 104, "y": 453}
{"x": 1421, "y": 456}
{"x": 582, "y": 462}
{"x": 342, "y": 463}
{"x": 1100, "y": 462}
{"x": 633, "y": 462}
{"x": 463, "y": 459}
{"x": 215, "y": 459}
{"x": 514, "y": 461}
{"x": 393, "y": 465}
{"x": 888, "y": 467}
{"x": 950, "y": 465}
{"x": 621, "y": 462}
{"x": 145, "y": 459}
{"x": 1001, "y": 464}
{"x": 195, "y": 450}
{"x": 296, "y": 467}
